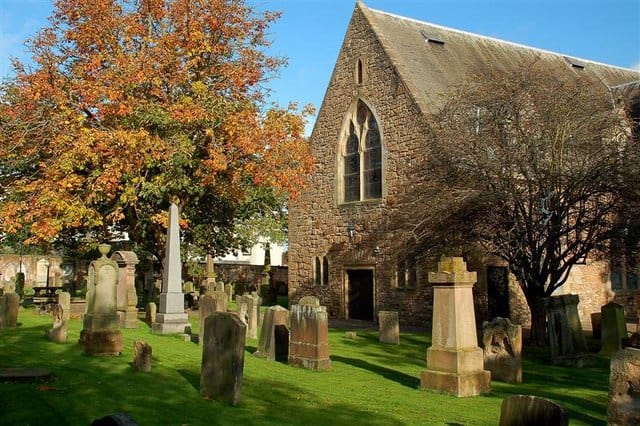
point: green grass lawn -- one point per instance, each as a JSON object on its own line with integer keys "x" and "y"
{"x": 370, "y": 384}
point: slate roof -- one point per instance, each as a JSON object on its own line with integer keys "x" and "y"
{"x": 430, "y": 58}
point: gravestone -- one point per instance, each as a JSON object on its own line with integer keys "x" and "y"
{"x": 223, "y": 357}
{"x": 209, "y": 283}
{"x": 568, "y": 344}
{"x": 126, "y": 296}
{"x": 228, "y": 289}
{"x": 248, "y": 308}
{"x": 389, "y": 327}
{"x": 351, "y": 335}
{"x": 58, "y": 333}
{"x": 624, "y": 388}
{"x": 502, "y": 342}
{"x": 100, "y": 333}
{"x": 142, "y": 354}
{"x": 64, "y": 300}
{"x": 596, "y": 325}
{"x": 274, "y": 335}
{"x": 151, "y": 312}
{"x": 529, "y": 410}
{"x": 614, "y": 327}
{"x": 9, "y": 307}
{"x": 309, "y": 338}
{"x": 454, "y": 360}
{"x": 171, "y": 317}
{"x": 210, "y": 303}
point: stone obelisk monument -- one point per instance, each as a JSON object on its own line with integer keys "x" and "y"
{"x": 171, "y": 316}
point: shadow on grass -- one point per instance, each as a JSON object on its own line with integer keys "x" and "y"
{"x": 387, "y": 373}
{"x": 88, "y": 388}
{"x": 191, "y": 377}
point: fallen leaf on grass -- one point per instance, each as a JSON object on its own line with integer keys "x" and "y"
{"x": 44, "y": 388}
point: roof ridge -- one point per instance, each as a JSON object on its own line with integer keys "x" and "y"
{"x": 498, "y": 40}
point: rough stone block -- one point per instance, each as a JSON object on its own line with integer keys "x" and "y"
{"x": 528, "y": 410}
{"x": 223, "y": 357}
{"x": 389, "y": 327}
{"x": 142, "y": 355}
{"x": 624, "y": 388}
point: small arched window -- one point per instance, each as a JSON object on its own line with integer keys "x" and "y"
{"x": 317, "y": 272}
{"x": 362, "y": 156}
{"x": 359, "y": 72}
{"x": 325, "y": 271}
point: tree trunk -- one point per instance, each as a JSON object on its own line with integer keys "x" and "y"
{"x": 539, "y": 335}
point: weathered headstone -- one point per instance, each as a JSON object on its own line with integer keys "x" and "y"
{"x": 309, "y": 339}
{"x": 127, "y": 297}
{"x": 528, "y": 410}
{"x": 209, "y": 283}
{"x": 502, "y": 342}
{"x": 151, "y": 312}
{"x": 248, "y": 308}
{"x": 64, "y": 300}
{"x": 142, "y": 353}
{"x": 9, "y": 307}
{"x": 210, "y": 303}
{"x": 614, "y": 327}
{"x": 454, "y": 360}
{"x": 223, "y": 357}
{"x": 171, "y": 316}
{"x": 351, "y": 335}
{"x": 274, "y": 335}
{"x": 228, "y": 289}
{"x": 100, "y": 333}
{"x": 568, "y": 344}
{"x": 389, "y": 327}
{"x": 624, "y": 388}
{"x": 596, "y": 325}
{"x": 58, "y": 333}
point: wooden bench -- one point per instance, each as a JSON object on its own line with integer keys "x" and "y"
{"x": 45, "y": 295}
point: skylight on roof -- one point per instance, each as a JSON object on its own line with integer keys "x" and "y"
{"x": 574, "y": 62}
{"x": 430, "y": 38}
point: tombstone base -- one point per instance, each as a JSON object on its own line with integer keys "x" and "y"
{"x": 58, "y": 334}
{"x": 461, "y": 385}
{"x": 101, "y": 343}
{"x": 130, "y": 319}
{"x": 504, "y": 370}
{"x": 456, "y": 361}
{"x": 311, "y": 364}
{"x": 577, "y": 361}
{"x": 171, "y": 324}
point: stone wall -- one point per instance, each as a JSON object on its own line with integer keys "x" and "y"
{"x": 384, "y": 227}
{"x": 318, "y": 220}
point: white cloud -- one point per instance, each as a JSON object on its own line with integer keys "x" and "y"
{"x": 636, "y": 66}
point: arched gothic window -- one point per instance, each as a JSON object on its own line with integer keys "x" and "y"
{"x": 362, "y": 156}
{"x": 317, "y": 269}
{"x": 325, "y": 271}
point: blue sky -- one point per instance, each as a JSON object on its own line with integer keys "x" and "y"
{"x": 310, "y": 32}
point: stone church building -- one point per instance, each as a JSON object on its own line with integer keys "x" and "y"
{"x": 358, "y": 208}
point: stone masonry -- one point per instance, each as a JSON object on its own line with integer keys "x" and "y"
{"x": 309, "y": 339}
{"x": 384, "y": 227}
{"x": 455, "y": 363}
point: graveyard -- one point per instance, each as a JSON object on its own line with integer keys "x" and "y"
{"x": 369, "y": 382}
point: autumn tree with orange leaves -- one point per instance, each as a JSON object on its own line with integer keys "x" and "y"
{"x": 132, "y": 104}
